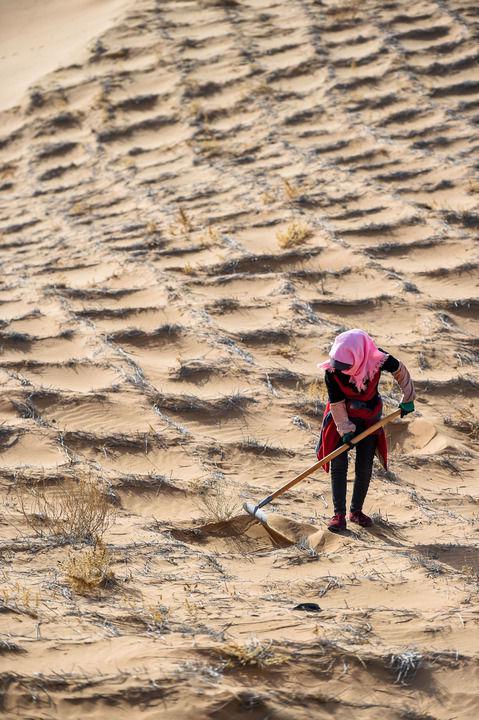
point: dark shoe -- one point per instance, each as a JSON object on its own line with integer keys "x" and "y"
{"x": 360, "y": 518}
{"x": 337, "y": 523}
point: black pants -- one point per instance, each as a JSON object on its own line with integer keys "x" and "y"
{"x": 363, "y": 468}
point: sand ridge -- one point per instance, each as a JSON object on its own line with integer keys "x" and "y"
{"x": 159, "y": 338}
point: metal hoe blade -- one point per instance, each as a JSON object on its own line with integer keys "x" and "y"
{"x": 256, "y": 512}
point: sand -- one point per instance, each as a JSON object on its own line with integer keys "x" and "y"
{"x": 159, "y": 340}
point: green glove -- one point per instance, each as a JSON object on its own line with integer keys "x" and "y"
{"x": 406, "y": 408}
{"x": 347, "y": 438}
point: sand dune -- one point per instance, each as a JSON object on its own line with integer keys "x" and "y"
{"x": 195, "y": 198}
{"x": 39, "y": 37}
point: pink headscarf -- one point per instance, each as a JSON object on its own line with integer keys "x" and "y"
{"x": 357, "y": 349}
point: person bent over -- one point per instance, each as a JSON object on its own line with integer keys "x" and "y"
{"x": 352, "y": 375}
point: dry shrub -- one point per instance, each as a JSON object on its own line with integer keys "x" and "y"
{"x": 18, "y": 598}
{"x": 79, "y": 208}
{"x": 209, "y": 148}
{"x": 184, "y": 220}
{"x": 295, "y": 234}
{"x": 7, "y": 646}
{"x": 89, "y": 570}
{"x": 287, "y": 351}
{"x": 152, "y": 228}
{"x": 221, "y": 503}
{"x": 76, "y": 512}
{"x": 189, "y": 269}
{"x": 154, "y": 618}
{"x": 317, "y": 392}
{"x": 268, "y": 198}
{"x": 182, "y": 225}
{"x": 210, "y": 237}
{"x": 291, "y": 191}
{"x": 405, "y": 664}
{"x": 252, "y": 654}
{"x": 471, "y": 575}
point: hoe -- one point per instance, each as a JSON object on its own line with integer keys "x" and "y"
{"x": 259, "y": 514}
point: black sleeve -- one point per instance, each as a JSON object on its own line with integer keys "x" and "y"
{"x": 335, "y": 394}
{"x": 390, "y": 364}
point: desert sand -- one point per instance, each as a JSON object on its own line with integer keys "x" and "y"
{"x": 195, "y": 198}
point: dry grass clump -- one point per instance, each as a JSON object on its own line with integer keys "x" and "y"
{"x": 471, "y": 575}
{"x": 89, "y": 570}
{"x": 295, "y": 234}
{"x": 79, "y": 208}
{"x": 17, "y": 598}
{"x": 287, "y": 351}
{"x": 268, "y": 198}
{"x": 210, "y": 237}
{"x": 432, "y": 568}
{"x": 7, "y": 646}
{"x": 317, "y": 392}
{"x": 182, "y": 225}
{"x": 381, "y": 520}
{"x": 313, "y": 401}
{"x": 188, "y": 269}
{"x": 405, "y": 665}
{"x": 76, "y": 512}
{"x": 152, "y": 228}
{"x": 258, "y": 447}
{"x": 154, "y": 618}
{"x": 219, "y": 504}
{"x": 291, "y": 191}
{"x": 251, "y": 654}
{"x": 184, "y": 220}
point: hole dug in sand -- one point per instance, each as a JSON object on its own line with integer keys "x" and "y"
{"x": 248, "y": 535}
{"x": 239, "y": 533}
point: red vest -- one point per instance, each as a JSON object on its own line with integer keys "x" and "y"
{"x": 330, "y": 439}
{"x": 362, "y": 396}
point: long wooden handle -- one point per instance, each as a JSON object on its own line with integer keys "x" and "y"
{"x": 342, "y": 448}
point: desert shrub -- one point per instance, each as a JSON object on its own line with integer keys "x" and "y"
{"x": 7, "y": 646}
{"x": 18, "y": 598}
{"x": 405, "y": 664}
{"x": 153, "y": 618}
{"x": 182, "y": 225}
{"x": 253, "y": 653}
{"x": 432, "y": 568}
{"x": 295, "y": 234}
{"x": 89, "y": 570}
{"x": 317, "y": 392}
{"x": 220, "y": 502}
{"x": 75, "y": 512}
{"x": 291, "y": 190}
